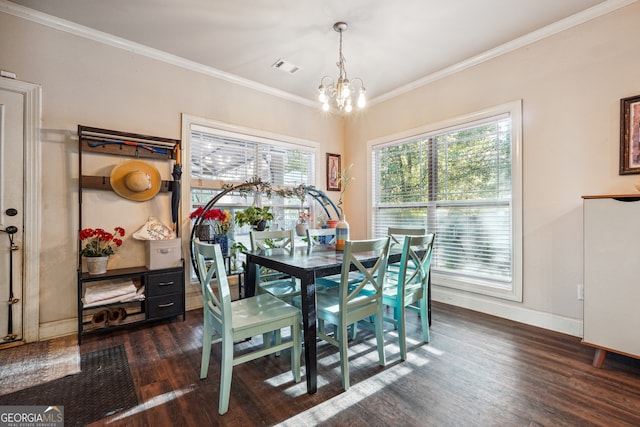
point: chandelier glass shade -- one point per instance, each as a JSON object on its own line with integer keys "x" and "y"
{"x": 342, "y": 90}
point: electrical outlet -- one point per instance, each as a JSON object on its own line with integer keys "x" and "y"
{"x": 581, "y": 292}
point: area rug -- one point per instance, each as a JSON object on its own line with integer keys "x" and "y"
{"x": 36, "y": 363}
{"x": 103, "y": 387}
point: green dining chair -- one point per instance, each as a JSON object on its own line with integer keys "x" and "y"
{"x": 346, "y": 303}
{"x": 408, "y": 285}
{"x": 312, "y": 240}
{"x": 234, "y": 321}
{"x": 275, "y": 283}
{"x": 314, "y": 234}
{"x": 397, "y": 235}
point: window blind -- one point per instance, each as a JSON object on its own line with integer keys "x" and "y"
{"x": 219, "y": 155}
{"x": 456, "y": 182}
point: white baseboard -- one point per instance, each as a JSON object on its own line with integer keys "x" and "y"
{"x": 57, "y": 329}
{"x": 507, "y": 310}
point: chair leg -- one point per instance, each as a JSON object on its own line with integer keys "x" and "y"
{"x": 206, "y": 349}
{"x": 226, "y": 371}
{"x": 295, "y": 351}
{"x": 380, "y": 335}
{"x": 424, "y": 317}
{"x": 341, "y": 332}
{"x": 402, "y": 335}
{"x": 266, "y": 339}
{"x": 278, "y": 340}
{"x": 396, "y": 312}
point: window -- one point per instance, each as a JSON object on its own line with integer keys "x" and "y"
{"x": 460, "y": 180}
{"x": 221, "y": 154}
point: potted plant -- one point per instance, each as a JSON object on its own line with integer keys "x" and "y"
{"x": 302, "y": 224}
{"x": 254, "y": 216}
{"x": 98, "y": 246}
{"x": 215, "y": 222}
{"x": 236, "y": 248}
{"x": 214, "y": 227}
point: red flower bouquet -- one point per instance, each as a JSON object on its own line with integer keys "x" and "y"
{"x": 220, "y": 220}
{"x": 99, "y": 242}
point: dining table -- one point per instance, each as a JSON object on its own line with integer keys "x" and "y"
{"x": 307, "y": 264}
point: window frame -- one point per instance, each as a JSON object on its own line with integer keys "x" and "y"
{"x": 188, "y": 123}
{"x": 463, "y": 282}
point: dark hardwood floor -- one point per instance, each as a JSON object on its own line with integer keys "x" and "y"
{"x": 478, "y": 370}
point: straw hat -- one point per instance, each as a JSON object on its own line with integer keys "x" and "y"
{"x": 135, "y": 180}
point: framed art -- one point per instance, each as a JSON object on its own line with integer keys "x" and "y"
{"x": 630, "y": 135}
{"x": 333, "y": 172}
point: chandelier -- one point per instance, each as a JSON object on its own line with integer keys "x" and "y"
{"x": 341, "y": 91}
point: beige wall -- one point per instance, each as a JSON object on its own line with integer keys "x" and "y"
{"x": 85, "y": 82}
{"x": 570, "y": 85}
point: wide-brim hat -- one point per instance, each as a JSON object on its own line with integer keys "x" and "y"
{"x": 135, "y": 180}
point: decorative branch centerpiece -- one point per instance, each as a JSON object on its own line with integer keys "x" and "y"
{"x": 344, "y": 179}
{"x": 342, "y": 227}
{"x": 255, "y": 185}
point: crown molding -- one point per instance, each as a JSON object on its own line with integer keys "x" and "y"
{"x": 118, "y": 42}
{"x": 535, "y": 36}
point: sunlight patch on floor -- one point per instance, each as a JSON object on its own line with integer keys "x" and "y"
{"x": 152, "y": 403}
{"x": 357, "y": 392}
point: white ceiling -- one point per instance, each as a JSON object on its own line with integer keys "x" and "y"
{"x": 389, "y": 44}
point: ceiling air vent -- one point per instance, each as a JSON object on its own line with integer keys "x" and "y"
{"x": 285, "y": 66}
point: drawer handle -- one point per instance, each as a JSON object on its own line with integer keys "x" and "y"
{"x": 165, "y": 283}
{"x": 166, "y": 305}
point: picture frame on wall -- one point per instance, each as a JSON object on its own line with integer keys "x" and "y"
{"x": 630, "y": 135}
{"x": 333, "y": 172}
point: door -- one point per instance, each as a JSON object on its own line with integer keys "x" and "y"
{"x": 11, "y": 215}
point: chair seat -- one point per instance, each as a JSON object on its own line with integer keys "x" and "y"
{"x": 328, "y": 301}
{"x": 287, "y": 288}
{"x": 251, "y": 312}
{"x": 332, "y": 281}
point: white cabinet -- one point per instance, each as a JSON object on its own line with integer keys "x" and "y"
{"x": 612, "y": 275}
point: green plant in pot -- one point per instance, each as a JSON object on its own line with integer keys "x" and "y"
{"x": 236, "y": 248}
{"x": 254, "y": 216}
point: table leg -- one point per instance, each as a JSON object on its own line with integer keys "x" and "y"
{"x": 250, "y": 279}
{"x": 429, "y": 299}
{"x": 308, "y": 295}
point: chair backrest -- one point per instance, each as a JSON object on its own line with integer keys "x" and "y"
{"x": 211, "y": 264}
{"x": 415, "y": 265}
{"x": 271, "y": 239}
{"x": 372, "y": 277}
{"x": 398, "y": 233}
{"x": 314, "y": 233}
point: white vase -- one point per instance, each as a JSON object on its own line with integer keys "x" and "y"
{"x": 97, "y": 264}
{"x": 301, "y": 230}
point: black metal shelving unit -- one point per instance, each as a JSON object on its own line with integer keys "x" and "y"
{"x": 164, "y": 289}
